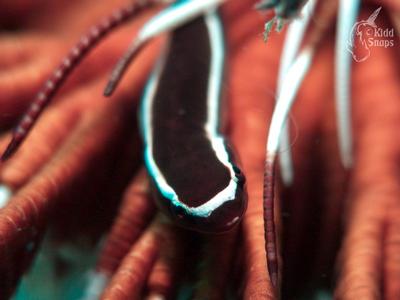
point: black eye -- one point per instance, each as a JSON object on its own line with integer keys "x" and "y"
{"x": 177, "y": 211}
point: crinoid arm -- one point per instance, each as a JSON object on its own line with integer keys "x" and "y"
{"x": 293, "y": 79}
{"x": 347, "y": 16}
{"x": 77, "y": 53}
{"x": 293, "y": 39}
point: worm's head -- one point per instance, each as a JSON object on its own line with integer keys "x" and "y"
{"x": 216, "y": 214}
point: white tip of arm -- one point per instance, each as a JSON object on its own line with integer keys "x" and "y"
{"x": 347, "y": 16}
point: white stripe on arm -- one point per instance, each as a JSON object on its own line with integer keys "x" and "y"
{"x": 347, "y": 16}
{"x": 293, "y": 39}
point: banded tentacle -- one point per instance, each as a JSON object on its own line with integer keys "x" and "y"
{"x": 86, "y": 43}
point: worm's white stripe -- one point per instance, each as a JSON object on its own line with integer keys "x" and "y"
{"x": 211, "y": 127}
{"x": 5, "y": 195}
{"x": 293, "y": 39}
{"x": 347, "y": 16}
{"x": 174, "y": 16}
{"x": 290, "y": 87}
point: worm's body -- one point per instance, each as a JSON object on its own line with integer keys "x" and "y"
{"x": 192, "y": 169}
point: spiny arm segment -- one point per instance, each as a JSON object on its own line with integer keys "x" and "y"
{"x": 292, "y": 72}
{"x": 290, "y": 86}
{"x": 347, "y": 16}
{"x": 77, "y": 53}
{"x": 269, "y": 221}
{"x": 169, "y": 19}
